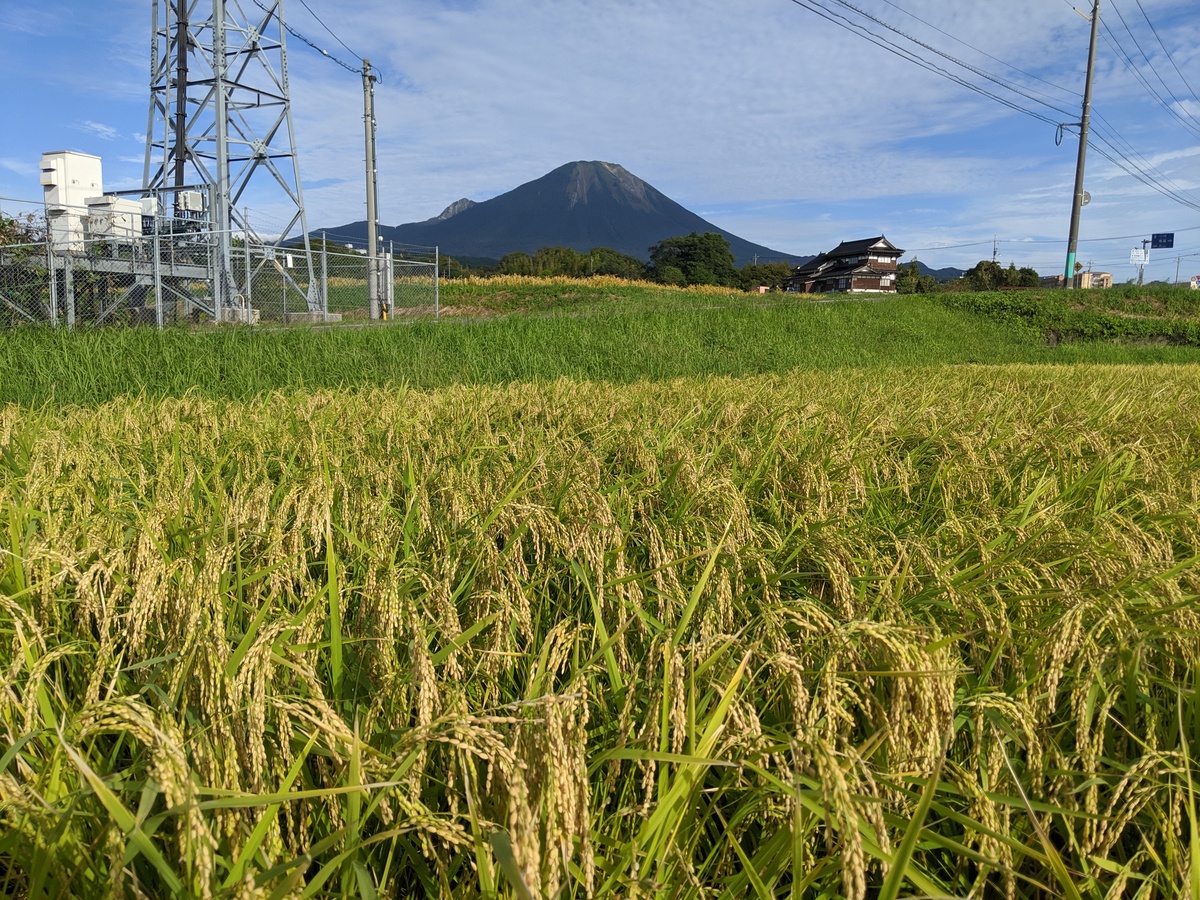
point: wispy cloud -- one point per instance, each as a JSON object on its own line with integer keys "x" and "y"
{"x": 98, "y": 129}
{"x": 786, "y": 128}
{"x": 18, "y": 166}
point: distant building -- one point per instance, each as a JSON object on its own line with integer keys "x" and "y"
{"x": 1093, "y": 280}
{"x": 1082, "y": 280}
{"x": 852, "y": 267}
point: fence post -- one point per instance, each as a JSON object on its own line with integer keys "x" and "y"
{"x": 247, "y": 292}
{"x": 390, "y": 288}
{"x": 324, "y": 279}
{"x": 69, "y": 285}
{"x": 53, "y": 279}
{"x": 437, "y": 270}
{"x": 158, "y": 300}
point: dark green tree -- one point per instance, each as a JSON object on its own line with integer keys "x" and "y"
{"x": 701, "y": 258}
{"x": 606, "y": 261}
{"x": 771, "y": 275}
{"x": 986, "y": 276}
{"x": 909, "y": 280}
{"x": 516, "y": 263}
{"x": 550, "y": 261}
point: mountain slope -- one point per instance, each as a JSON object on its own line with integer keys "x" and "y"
{"x": 580, "y": 205}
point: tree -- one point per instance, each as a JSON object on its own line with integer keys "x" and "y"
{"x": 986, "y": 276}
{"x": 772, "y": 275}
{"x": 606, "y": 261}
{"x": 909, "y": 280}
{"x": 550, "y": 261}
{"x": 1028, "y": 277}
{"x": 700, "y": 258}
{"x": 516, "y": 263}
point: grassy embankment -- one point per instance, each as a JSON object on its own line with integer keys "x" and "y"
{"x": 914, "y": 632}
{"x": 602, "y": 329}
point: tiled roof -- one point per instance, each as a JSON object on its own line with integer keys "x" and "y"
{"x": 847, "y": 248}
{"x": 843, "y": 250}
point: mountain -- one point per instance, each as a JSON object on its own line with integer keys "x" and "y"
{"x": 948, "y": 274}
{"x": 580, "y": 205}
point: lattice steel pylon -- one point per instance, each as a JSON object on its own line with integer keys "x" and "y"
{"x": 221, "y": 116}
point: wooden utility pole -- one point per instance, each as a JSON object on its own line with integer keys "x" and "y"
{"x": 1077, "y": 200}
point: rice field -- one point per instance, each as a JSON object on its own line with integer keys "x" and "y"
{"x": 928, "y": 632}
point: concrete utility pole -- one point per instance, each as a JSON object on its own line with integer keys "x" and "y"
{"x": 374, "y": 286}
{"x": 1077, "y": 200}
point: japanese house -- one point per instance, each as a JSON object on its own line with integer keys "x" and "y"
{"x": 852, "y": 267}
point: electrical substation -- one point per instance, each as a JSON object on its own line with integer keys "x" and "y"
{"x": 182, "y": 248}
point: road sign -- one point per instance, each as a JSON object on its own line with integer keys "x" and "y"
{"x": 1162, "y": 241}
{"x": 1138, "y": 257}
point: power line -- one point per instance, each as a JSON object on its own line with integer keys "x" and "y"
{"x": 1075, "y": 95}
{"x": 330, "y": 30}
{"x": 1144, "y": 171}
{"x": 1150, "y": 63}
{"x": 1042, "y": 241}
{"x": 1167, "y": 52}
{"x": 855, "y": 28}
{"x": 357, "y": 70}
{"x": 1112, "y": 40}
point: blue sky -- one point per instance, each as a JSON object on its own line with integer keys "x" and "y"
{"x": 760, "y": 115}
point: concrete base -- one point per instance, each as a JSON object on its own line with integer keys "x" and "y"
{"x": 239, "y": 316}
{"x": 312, "y": 318}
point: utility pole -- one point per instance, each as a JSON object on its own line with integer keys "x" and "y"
{"x": 1077, "y": 200}
{"x": 374, "y": 292}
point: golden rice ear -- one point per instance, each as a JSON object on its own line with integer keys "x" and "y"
{"x": 253, "y": 646}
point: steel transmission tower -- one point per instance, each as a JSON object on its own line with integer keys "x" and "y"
{"x": 221, "y": 116}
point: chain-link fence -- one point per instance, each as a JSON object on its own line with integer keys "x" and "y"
{"x": 131, "y": 269}
{"x": 357, "y": 288}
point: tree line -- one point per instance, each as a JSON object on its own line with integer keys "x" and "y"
{"x": 987, "y": 275}
{"x": 681, "y": 261}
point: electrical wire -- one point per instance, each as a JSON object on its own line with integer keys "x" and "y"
{"x": 1144, "y": 172}
{"x": 357, "y": 70}
{"x": 1166, "y": 52}
{"x": 330, "y": 30}
{"x": 843, "y": 22}
{"x": 1075, "y": 95}
{"x": 995, "y": 79}
{"x": 1113, "y": 42}
{"x": 1170, "y": 107}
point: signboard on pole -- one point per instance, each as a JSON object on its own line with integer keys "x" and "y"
{"x": 1162, "y": 241}
{"x": 1138, "y": 257}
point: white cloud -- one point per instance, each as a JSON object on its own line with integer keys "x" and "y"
{"x": 790, "y": 130}
{"x": 98, "y": 129}
{"x": 18, "y": 166}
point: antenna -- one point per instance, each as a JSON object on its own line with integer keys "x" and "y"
{"x": 220, "y": 107}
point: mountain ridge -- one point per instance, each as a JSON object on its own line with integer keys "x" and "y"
{"x": 581, "y": 205}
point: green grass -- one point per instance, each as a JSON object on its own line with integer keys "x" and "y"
{"x": 1128, "y": 313}
{"x": 610, "y": 333}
